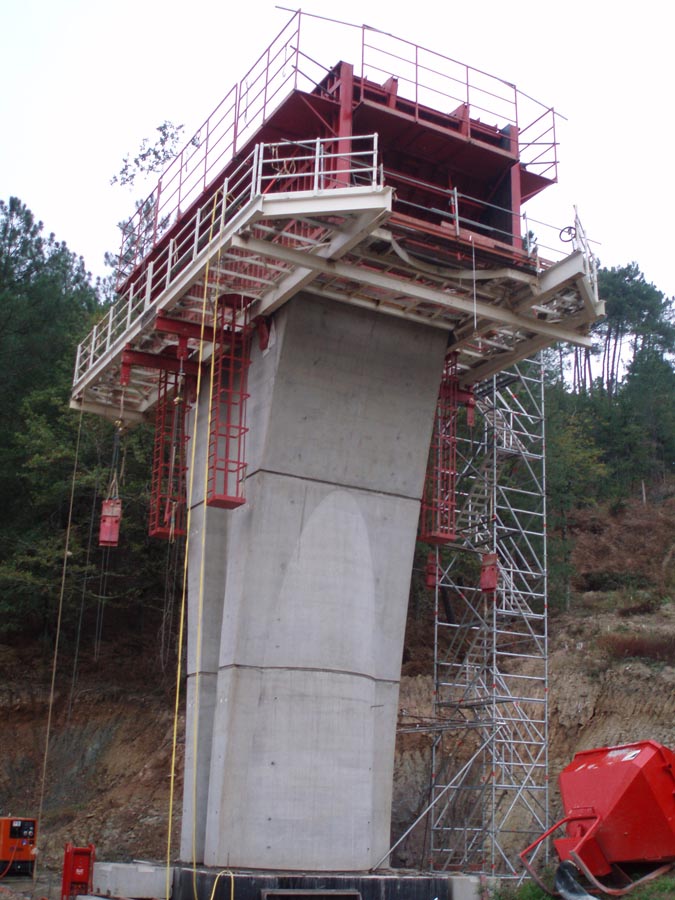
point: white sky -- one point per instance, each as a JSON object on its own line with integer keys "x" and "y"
{"x": 85, "y": 81}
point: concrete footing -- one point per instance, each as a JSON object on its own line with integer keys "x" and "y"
{"x": 145, "y": 880}
{"x": 322, "y": 886}
{"x": 135, "y": 880}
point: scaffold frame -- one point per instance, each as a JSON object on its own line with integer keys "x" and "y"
{"x": 490, "y": 646}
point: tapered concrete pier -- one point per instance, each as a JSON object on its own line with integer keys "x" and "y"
{"x": 304, "y": 594}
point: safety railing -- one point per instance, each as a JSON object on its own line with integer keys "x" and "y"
{"x": 491, "y": 108}
{"x": 540, "y": 242}
{"x": 287, "y": 168}
{"x": 429, "y": 80}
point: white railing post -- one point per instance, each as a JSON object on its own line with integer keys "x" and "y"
{"x": 317, "y": 147}
{"x": 169, "y": 262}
{"x": 94, "y": 332}
{"x": 455, "y": 209}
{"x": 130, "y": 303}
{"x": 108, "y": 336}
{"x": 226, "y": 184}
{"x": 78, "y": 356}
{"x": 375, "y": 145}
{"x": 260, "y": 162}
{"x": 198, "y": 222}
{"x": 254, "y": 172}
{"x": 148, "y": 284}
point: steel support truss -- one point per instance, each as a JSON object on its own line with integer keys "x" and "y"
{"x": 489, "y": 759}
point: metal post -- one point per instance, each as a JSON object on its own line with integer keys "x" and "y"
{"x": 148, "y": 284}
{"x": 195, "y": 244}
{"x": 93, "y": 345}
{"x": 169, "y": 262}
{"x": 108, "y": 337}
{"x": 256, "y": 175}
{"x": 223, "y": 212}
{"x": 375, "y": 153}
{"x": 130, "y": 303}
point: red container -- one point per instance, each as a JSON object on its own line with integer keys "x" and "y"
{"x": 619, "y": 817}
{"x": 111, "y": 516}
{"x": 78, "y": 870}
{"x": 620, "y": 802}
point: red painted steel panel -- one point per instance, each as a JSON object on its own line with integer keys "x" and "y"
{"x": 78, "y": 870}
{"x": 111, "y": 517}
{"x": 630, "y": 792}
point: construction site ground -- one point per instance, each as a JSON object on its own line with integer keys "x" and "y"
{"x": 110, "y": 754}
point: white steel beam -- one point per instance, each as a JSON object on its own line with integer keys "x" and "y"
{"x": 447, "y": 300}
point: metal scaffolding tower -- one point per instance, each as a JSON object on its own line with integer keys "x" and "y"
{"x": 489, "y": 761}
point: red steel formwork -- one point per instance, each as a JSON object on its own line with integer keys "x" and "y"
{"x": 437, "y": 519}
{"x": 439, "y": 505}
{"x": 227, "y": 433}
{"x": 169, "y": 464}
{"x": 452, "y": 169}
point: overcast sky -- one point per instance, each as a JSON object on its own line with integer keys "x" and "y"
{"x": 86, "y": 80}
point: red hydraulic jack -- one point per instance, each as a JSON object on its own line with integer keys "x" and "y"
{"x": 78, "y": 870}
{"x": 619, "y": 820}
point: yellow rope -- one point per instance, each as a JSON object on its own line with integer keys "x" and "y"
{"x": 200, "y": 605}
{"x": 64, "y": 569}
{"x": 217, "y": 879}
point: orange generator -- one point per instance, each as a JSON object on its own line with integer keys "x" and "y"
{"x": 17, "y": 845}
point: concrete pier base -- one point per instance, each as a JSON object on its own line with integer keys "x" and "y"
{"x": 297, "y": 617}
{"x": 313, "y": 886}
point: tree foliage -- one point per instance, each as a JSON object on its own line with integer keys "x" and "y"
{"x": 639, "y": 318}
{"x": 611, "y": 430}
{"x": 47, "y": 304}
{"x": 150, "y": 157}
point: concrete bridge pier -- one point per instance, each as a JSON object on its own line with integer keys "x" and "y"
{"x": 304, "y": 594}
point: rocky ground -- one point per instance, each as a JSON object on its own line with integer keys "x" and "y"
{"x": 108, "y": 776}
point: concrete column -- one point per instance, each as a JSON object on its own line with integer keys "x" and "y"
{"x": 314, "y": 593}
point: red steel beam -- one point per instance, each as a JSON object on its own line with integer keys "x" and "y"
{"x": 192, "y": 330}
{"x": 157, "y": 361}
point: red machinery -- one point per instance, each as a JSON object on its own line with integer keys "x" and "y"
{"x": 78, "y": 870}
{"x": 619, "y": 818}
{"x": 17, "y": 846}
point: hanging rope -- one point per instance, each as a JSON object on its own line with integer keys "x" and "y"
{"x": 473, "y": 272}
{"x": 100, "y": 601}
{"x": 169, "y": 601}
{"x": 113, "y": 485}
{"x": 174, "y": 482}
{"x": 64, "y": 570}
{"x": 85, "y": 579}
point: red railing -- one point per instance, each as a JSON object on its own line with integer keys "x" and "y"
{"x": 439, "y": 504}
{"x": 229, "y": 393}
{"x": 169, "y": 466}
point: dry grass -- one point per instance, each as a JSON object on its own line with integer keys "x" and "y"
{"x": 652, "y": 646}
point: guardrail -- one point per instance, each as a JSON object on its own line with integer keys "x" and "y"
{"x": 276, "y": 168}
{"x": 541, "y": 242}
